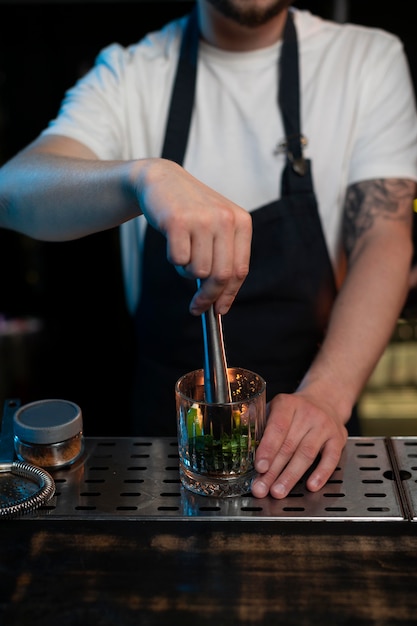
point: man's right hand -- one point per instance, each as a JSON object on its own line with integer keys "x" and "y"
{"x": 208, "y": 236}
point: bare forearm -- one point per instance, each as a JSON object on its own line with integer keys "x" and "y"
{"x": 56, "y": 197}
{"x": 363, "y": 319}
{"x": 377, "y": 238}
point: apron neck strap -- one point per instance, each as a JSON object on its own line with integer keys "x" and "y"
{"x": 182, "y": 99}
{"x": 289, "y": 97}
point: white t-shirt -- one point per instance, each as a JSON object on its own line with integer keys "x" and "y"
{"x": 357, "y": 113}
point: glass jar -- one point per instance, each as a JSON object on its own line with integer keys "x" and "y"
{"x": 48, "y": 433}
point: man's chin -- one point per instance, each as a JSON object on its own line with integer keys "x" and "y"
{"x": 250, "y": 13}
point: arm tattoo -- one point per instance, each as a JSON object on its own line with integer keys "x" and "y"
{"x": 388, "y": 199}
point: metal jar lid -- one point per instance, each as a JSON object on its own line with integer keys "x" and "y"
{"x": 47, "y": 421}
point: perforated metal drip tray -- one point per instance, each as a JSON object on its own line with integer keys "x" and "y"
{"x": 125, "y": 478}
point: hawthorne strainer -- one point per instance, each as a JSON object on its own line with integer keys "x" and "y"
{"x": 23, "y": 486}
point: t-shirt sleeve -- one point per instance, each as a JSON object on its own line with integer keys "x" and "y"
{"x": 386, "y": 138}
{"x": 92, "y": 110}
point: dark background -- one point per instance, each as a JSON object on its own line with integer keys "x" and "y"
{"x": 82, "y": 348}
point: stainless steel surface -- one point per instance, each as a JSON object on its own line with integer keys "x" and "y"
{"x": 138, "y": 479}
{"x": 405, "y": 451}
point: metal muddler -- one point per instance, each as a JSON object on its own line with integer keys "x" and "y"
{"x": 216, "y": 381}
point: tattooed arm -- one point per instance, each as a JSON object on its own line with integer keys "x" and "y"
{"x": 387, "y": 199}
{"x": 377, "y": 239}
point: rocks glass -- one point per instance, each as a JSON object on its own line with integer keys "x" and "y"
{"x": 217, "y": 442}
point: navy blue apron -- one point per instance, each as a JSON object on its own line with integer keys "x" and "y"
{"x": 278, "y": 320}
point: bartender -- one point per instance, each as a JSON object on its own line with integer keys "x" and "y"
{"x": 267, "y": 152}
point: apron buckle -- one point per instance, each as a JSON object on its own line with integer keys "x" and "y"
{"x": 299, "y": 165}
{"x": 294, "y": 141}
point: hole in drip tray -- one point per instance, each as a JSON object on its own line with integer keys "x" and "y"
{"x": 375, "y": 495}
{"x": 378, "y": 509}
{"x": 334, "y": 495}
{"x": 404, "y": 475}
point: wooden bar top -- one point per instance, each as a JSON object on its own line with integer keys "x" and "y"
{"x": 200, "y": 572}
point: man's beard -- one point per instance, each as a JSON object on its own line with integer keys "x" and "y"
{"x": 250, "y": 16}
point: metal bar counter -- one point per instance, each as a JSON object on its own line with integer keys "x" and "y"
{"x": 123, "y": 543}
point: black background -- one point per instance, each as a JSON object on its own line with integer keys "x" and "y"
{"x": 84, "y": 351}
